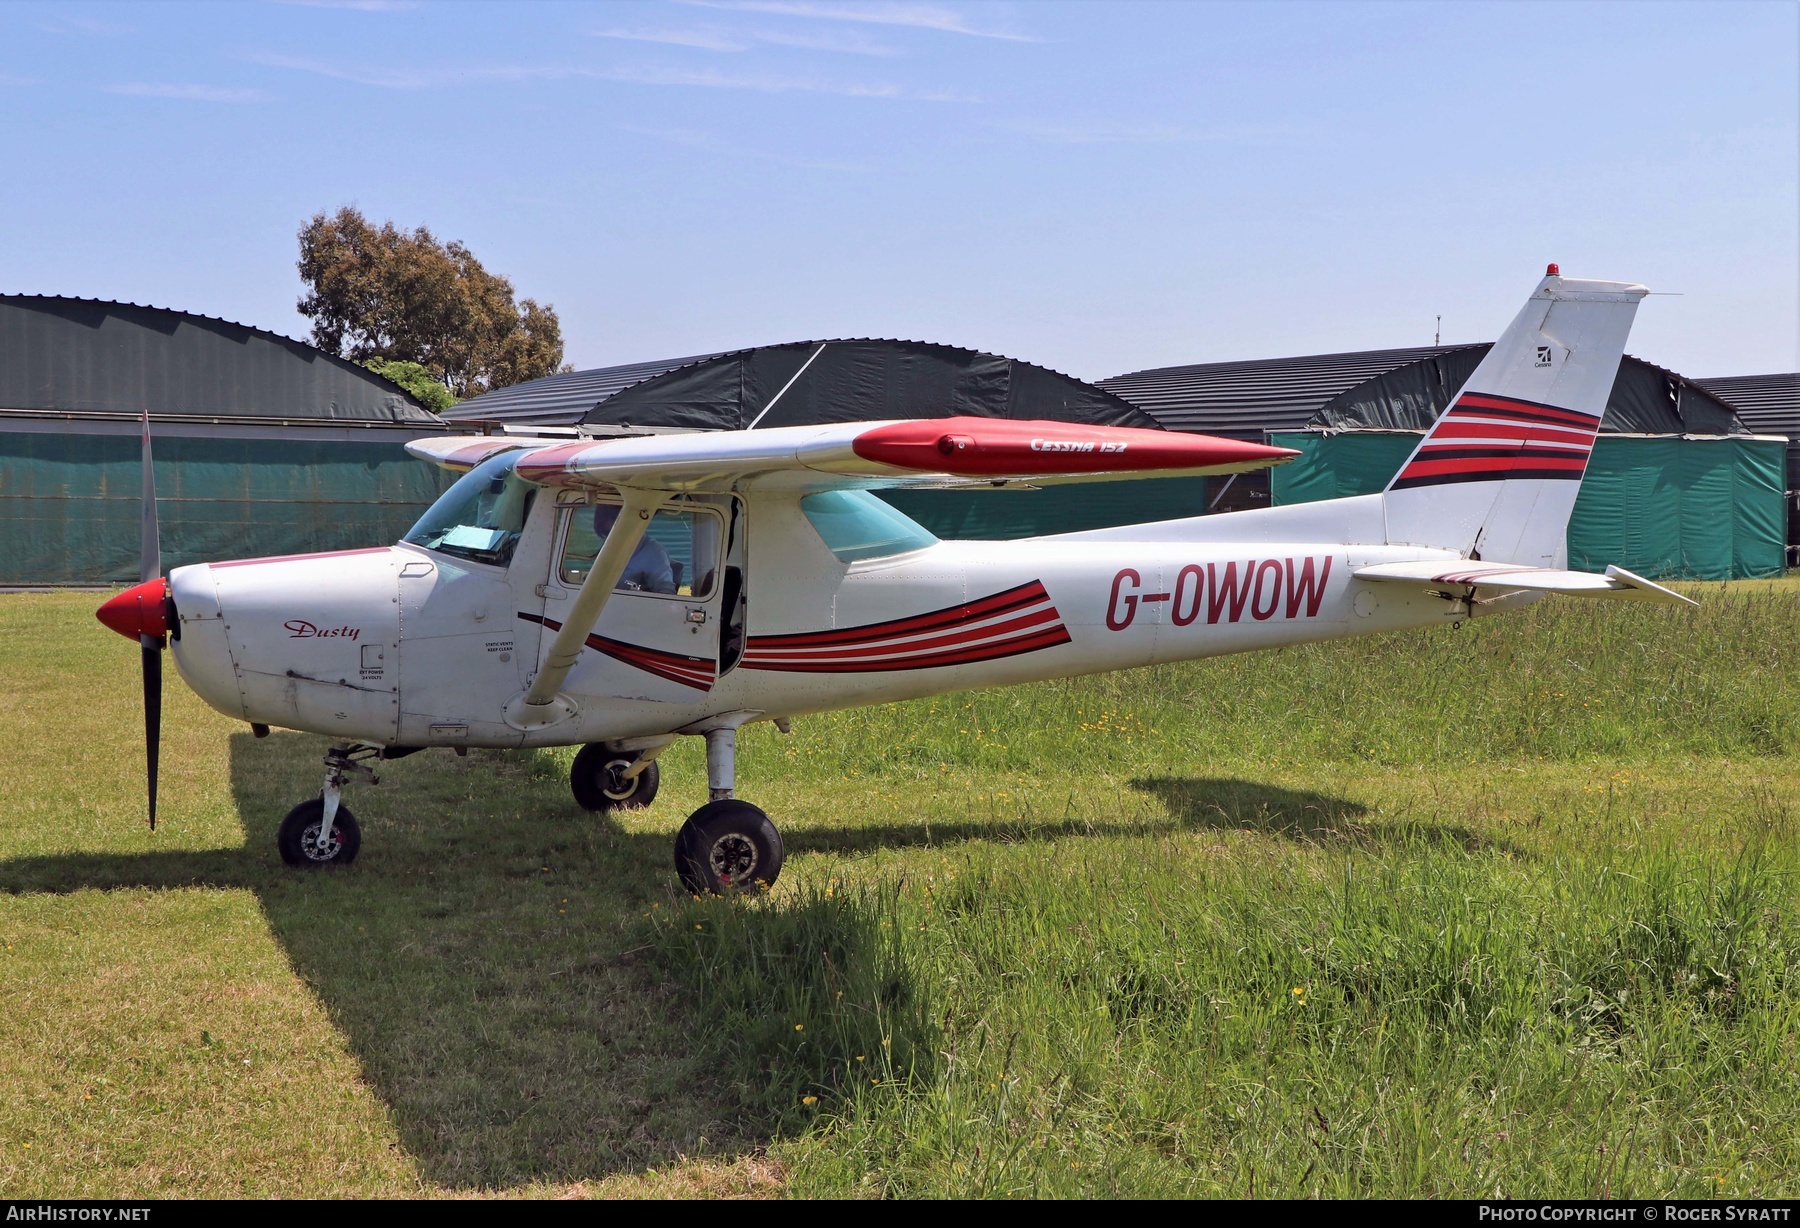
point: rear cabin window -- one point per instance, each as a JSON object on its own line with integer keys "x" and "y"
{"x": 856, "y": 525}
{"x": 678, "y": 556}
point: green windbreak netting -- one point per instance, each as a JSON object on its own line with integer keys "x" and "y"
{"x": 69, "y": 503}
{"x": 1662, "y": 506}
{"x": 1002, "y": 515}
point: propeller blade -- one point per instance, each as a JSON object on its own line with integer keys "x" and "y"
{"x": 149, "y": 539}
{"x": 151, "y": 650}
{"x": 150, "y": 646}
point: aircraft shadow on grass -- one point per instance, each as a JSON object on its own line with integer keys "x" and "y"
{"x": 1228, "y": 804}
{"x": 490, "y": 963}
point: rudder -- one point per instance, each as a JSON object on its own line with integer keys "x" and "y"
{"x": 1497, "y": 475}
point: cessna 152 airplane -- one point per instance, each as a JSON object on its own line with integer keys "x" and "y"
{"x": 619, "y": 593}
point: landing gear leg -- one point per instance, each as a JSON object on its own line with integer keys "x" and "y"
{"x": 726, "y": 845}
{"x": 323, "y": 831}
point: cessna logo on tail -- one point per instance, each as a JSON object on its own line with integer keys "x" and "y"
{"x": 1262, "y": 588}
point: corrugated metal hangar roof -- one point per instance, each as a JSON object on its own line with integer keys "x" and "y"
{"x": 1264, "y": 394}
{"x": 801, "y": 382}
{"x": 1768, "y": 404}
{"x": 1401, "y": 389}
{"x": 92, "y": 359}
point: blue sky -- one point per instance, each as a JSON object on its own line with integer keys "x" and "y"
{"x": 1096, "y": 187}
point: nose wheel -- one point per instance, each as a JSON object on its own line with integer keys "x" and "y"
{"x": 321, "y": 831}
{"x": 304, "y": 841}
{"x": 727, "y": 845}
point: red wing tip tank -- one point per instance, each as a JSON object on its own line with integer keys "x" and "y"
{"x": 616, "y": 594}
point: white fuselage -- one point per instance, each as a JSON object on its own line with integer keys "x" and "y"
{"x": 405, "y": 646}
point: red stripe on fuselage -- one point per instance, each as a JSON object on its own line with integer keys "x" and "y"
{"x": 1050, "y": 637}
{"x": 1010, "y": 627}
{"x": 697, "y": 672}
{"x": 987, "y": 607}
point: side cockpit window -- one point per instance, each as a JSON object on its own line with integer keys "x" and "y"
{"x": 480, "y": 517}
{"x": 678, "y": 556}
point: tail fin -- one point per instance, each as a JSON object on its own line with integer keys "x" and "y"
{"x": 1497, "y": 475}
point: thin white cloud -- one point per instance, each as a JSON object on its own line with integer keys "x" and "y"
{"x": 1090, "y": 133}
{"x": 704, "y": 40}
{"x": 768, "y": 83}
{"x": 83, "y": 25}
{"x": 9, "y": 79}
{"x": 850, "y": 43}
{"x": 186, "y": 93}
{"x": 716, "y": 38}
{"x": 387, "y": 77}
{"x": 881, "y": 13}
{"x": 361, "y": 6}
{"x": 1104, "y": 132}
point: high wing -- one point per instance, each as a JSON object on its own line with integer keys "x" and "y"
{"x": 1617, "y": 583}
{"x": 934, "y": 452}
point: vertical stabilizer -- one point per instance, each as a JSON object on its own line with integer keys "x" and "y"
{"x": 1497, "y": 475}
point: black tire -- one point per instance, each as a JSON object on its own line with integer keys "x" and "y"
{"x": 598, "y": 785}
{"x": 299, "y": 835}
{"x": 727, "y": 846}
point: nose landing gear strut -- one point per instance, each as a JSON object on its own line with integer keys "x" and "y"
{"x": 323, "y": 831}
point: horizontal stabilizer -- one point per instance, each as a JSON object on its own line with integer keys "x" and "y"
{"x": 1616, "y": 583}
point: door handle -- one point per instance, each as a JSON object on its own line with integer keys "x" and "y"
{"x": 696, "y": 615}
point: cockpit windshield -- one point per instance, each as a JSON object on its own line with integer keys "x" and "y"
{"x": 481, "y": 516}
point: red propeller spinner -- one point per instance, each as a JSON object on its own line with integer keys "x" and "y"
{"x": 142, "y": 609}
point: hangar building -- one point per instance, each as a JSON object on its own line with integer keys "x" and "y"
{"x": 1678, "y": 484}
{"x": 1770, "y": 405}
{"x": 263, "y": 444}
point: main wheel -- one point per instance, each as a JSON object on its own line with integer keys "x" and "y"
{"x": 727, "y": 845}
{"x": 599, "y": 784}
{"x": 298, "y": 838}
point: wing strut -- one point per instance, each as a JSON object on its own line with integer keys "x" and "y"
{"x": 538, "y": 706}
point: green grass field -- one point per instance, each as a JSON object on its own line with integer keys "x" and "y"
{"x": 1503, "y": 910}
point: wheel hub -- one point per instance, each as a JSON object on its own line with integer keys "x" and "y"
{"x": 614, "y": 783}
{"x": 733, "y": 858}
{"x": 314, "y": 851}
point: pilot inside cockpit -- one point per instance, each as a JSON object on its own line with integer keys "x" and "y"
{"x": 650, "y": 569}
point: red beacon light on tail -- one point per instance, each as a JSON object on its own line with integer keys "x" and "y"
{"x": 1553, "y": 270}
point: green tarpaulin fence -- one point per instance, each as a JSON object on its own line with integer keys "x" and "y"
{"x": 69, "y": 502}
{"x": 1699, "y": 508}
{"x": 1002, "y": 515}
{"x": 1668, "y": 507}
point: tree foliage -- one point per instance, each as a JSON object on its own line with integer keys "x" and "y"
{"x": 404, "y": 296}
{"x": 413, "y": 377}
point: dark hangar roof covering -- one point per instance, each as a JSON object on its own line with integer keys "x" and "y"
{"x": 1768, "y": 404}
{"x": 1390, "y": 390}
{"x": 90, "y": 358}
{"x": 562, "y": 399}
{"x": 800, "y": 383}
{"x": 1265, "y": 394}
